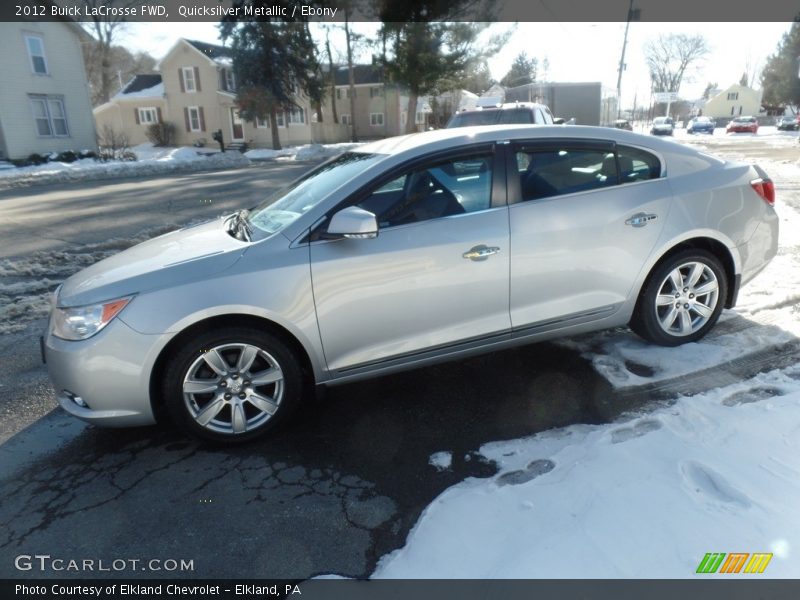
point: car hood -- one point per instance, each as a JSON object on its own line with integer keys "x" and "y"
{"x": 176, "y": 257}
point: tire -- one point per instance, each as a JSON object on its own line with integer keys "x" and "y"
{"x": 696, "y": 286}
{"x": 232, "y": 385}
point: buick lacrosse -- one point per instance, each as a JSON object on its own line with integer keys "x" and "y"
{"x": 410, "y": 250}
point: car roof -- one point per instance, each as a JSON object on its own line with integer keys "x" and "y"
{"x": 444, "y": 139}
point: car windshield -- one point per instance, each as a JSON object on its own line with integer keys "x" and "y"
{"x": 662, "y": 121}
{"x": 702, "y": 120}
{"x": 479, "y": 117}
{"x": 284, "y": 207}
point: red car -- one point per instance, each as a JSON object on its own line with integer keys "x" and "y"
{"x": 743, "y": 125}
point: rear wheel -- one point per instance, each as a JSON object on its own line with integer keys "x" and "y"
{"x": 232, "y": 385}
{"x": 682, "y": 299}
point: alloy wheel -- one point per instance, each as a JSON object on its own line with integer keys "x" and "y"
{"x": 687, "y": 298}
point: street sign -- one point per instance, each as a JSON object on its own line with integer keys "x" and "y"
{"x": 665, "y": 96}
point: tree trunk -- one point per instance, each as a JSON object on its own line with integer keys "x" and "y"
{"x": 332, "y": 75}
{"x": 351, "y": 80}
{"x": 273, "y": 124}
{"x": 411, "y": 119}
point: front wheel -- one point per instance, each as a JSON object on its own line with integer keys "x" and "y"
{"x": 682, "y": 299}
{"x": 232, "y": 385}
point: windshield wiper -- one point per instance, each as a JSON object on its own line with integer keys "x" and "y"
{"x": 238, "y": 226}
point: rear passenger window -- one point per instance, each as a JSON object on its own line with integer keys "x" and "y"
{"x": 546, "y": 173}
{"x": 514, "y": 116}
{"x": 637, "y": 165}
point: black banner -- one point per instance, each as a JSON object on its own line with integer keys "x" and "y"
{"x": 729, "y": 588}
{"x": 333, "y": 11}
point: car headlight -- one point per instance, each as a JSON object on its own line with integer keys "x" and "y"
{"x": 82, "y": 322}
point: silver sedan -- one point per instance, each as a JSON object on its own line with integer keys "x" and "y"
{"x": 411, "y": 250}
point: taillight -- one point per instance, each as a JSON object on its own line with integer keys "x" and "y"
{"x": 764, "y": 186}
{"x": 766, "y": 189}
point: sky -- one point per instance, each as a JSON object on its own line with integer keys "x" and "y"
{"x": 576, "y": 51}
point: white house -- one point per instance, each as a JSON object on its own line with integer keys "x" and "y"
{"x": 44, "y": 98}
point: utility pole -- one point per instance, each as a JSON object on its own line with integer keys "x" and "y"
{"x": 631, "y": 15}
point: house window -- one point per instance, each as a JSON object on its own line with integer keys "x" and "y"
{"x": 345, "y": 119}
{"x": 733, "y": 95}
{"x": 280, "y": 119}
{"x": 189, "y": 84}
{"x": 376, "y": 119}
{"x": 338, "y": 93}
{"x": 404, "y": 119}
{"x": 297, "y": 116}
{"x": 376, "y": 92}
{"x": 148, "y": 116}
{"x": 228, "y": 79}
{"x": 346, "y": 93}
{"x": 194, "y": 119}
{"x": 50, "y": 116}
{"x": 262, "y": 123}
{"x": 36, "y": 53}
{"x": 420, "y": 119}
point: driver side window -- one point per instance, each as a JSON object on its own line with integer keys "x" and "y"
{"x": 443, "y": 189}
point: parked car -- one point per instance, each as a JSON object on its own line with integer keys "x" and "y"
{"x": 789, "y": 123}
{"x": 405, "y": 252}
{"x": 623, "y": 124}
{"x": 662, "y": 126}
{"x": 701, "y": 125}
{"x": 522, "y": 113}
{"x": 743, "y": 125}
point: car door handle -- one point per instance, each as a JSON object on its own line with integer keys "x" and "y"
{"x": 481, "y": 252}
{"x": 640, "y": 219}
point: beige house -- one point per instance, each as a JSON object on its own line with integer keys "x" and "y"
{"x": 132, "y": 110}
{"x": 734, "y": 101}
{"x": 196, "y": 92}
{"x": 381, "y": 108}
{"x": 44, "y": 97}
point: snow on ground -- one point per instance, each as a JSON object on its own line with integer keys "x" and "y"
{"x": 26, "y": 282}
{"x": 150, "y": 161}
{"x": 305, "y": 152}
{"x": 153, "y": 160}
{"x": 717, "y": 471}
{"x": 441, "y": 461}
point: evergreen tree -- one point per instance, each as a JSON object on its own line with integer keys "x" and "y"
{"x": 428, "y": 53}
{"x": 780, "y": 76}
{"x": 273, "y": 62}
{"x": 522, "y": 72}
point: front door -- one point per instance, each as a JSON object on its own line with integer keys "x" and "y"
{"x": 237, "y": 127}
{"x": 435, "y": 277}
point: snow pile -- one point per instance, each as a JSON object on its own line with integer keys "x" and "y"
{"x": 151, "y": 161}
{"x": 305, "y": 152}
{"x": 441, "y": 461}
{"x": 718, "y": 472}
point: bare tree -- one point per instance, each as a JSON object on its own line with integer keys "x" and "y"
{"x": 106, "y": 28}
{"x": 669, "y": 58}
{"x": 331, "y": 73}
{"x": 120, "y": 63}
{"x": 753, "y": 68}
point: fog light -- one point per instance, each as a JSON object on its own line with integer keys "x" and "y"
{"x": 76, "y": 399}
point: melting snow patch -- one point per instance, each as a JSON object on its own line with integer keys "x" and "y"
{"x": 642, "y": 499}
{"x": 441, "y": 460}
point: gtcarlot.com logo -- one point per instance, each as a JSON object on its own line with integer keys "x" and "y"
{"x": 736, "y": 562}
{"x": 45, "y": 562}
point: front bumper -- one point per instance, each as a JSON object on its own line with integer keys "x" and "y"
{"x": 106, "y": 379}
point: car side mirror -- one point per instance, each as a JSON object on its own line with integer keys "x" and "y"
{"x": 559, "y": 121}
{"x": 353, "y": 222}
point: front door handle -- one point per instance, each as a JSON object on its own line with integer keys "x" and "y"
{"x": 640, "y": 219}
{"x": 480, "y": 252}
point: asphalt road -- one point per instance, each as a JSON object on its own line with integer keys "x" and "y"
{"x": 331, "y": 493}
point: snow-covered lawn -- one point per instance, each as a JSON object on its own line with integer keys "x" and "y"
{"x": 649, "y": 495}
{"x": 305, "y": 152}
{"x": 157, "y": 161}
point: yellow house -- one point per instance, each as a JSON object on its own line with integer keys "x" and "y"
{"x": 737, "y": 100}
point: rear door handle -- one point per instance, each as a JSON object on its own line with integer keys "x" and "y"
{"x": 480, "y": 252}
{"x": 641, "y": 219}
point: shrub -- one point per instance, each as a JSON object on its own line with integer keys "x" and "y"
{"x": 161, "y": 134}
